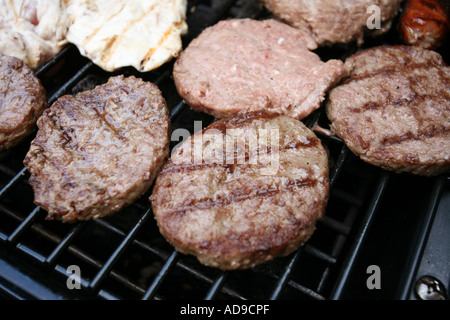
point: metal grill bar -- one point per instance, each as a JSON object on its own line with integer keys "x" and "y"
{"x": 343, "y": 155}
{"x": 202, "y": 277}
{"x": 85, "y": 283}
{"x": 337, "y": 247}
{"x": 72, "y": 81}
{"x": 340, "y": 227}
{"x": 421, "y": 237}
{"x": 304, "y": 290}
{"x": 354, "y": 251}
{"x": 52, "y": 61}
{"x": 285, "y": 276}
{"x": 62, "y": 246}
{"x": 319, "y": 254}
{"x": 176, "y": 110}
{"x": 13, "y": 181}
{"x": 217, "y": 286}
{"x": 173, "y": 260}
{"x": 30, "y": 252}
{"x": 24, "y": 225}
{"x": 308, "y": 292}
{"x": 170, "y": 263}
{"x": 119, "y": 251}
{"x": 71, "y": 249}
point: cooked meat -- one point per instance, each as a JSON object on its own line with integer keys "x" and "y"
{"x": 100, "y": 150}
{"x": 425, "y": 23}
{"x": 246, "y": 189}
{"x": 119, "y": 33}
{"x": 245, "y": 65}
{"x": 22, "y": 101}
{"x": 32, "y": 30}
{"x": 331, "y": 21}
{"x": 394, "y": 109}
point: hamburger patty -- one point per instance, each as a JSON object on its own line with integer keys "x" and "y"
{"x": 243, "y": 204}
{"x": 394, "y": 109}
{"x": 100, "y": 150}
{"x": 331, "y": 21}
{"x": 245, "y": 65}
{"x": 22, "y": 101}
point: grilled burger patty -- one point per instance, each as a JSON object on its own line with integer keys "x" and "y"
{"x": 245, "y": 65}
{"x": 236, "y": 206}
{"x": 331, "y": 21}
{"x": 22, "y": 101}
{"x": 393, "y": 110}
{"x": 100, "y": 150}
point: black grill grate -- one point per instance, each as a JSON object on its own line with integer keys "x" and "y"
{"x": 125, "y": 257}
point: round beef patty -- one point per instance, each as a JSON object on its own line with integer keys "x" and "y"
{"x": 100, "y": 150}
{"x": 393, "y": 110}
{"x": 245, "y": 65}
{"x": 242, "y": 191}
{"x": 331, "y": 21}
{"x": 22, "y": 101}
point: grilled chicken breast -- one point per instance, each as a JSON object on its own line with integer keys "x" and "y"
{"x": 32, "y": 30}
{"x": 118, "y": 33}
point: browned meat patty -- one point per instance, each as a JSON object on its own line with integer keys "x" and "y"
{"x": 331, "y": 21}
{"x": 22, "y": 101}
{"x": 100, "y": 150}
{"x": 243, "y": 191}
{"x": 394, "y": 109}
{"x": 245, "y": 65}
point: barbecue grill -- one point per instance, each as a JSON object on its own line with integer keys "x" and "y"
{"x": 395, "y": 223}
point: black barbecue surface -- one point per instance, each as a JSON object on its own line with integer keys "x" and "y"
{"x": 383, "y": 237}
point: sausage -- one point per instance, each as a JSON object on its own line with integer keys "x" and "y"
{"x": 424, "y": 23}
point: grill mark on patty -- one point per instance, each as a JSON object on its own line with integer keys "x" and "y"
{"x": 64, "y": 133}
{"x": 101, "y": 114}
{"x": 429, "y": 132}
{"x": 192, "y": 166}
{"x": 404, "y": 68}
{"x": 372, "y": 105}
{"x": 239, "y": 195}
{"x": 234, "y": 123}
{"x": 184, "y": 168}
{"x": 310, "y": 142}
{"x": 399, "y": 101}
{"x": 68, "y": 139}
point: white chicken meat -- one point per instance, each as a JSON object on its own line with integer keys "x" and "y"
{"x": 32, "y": 30}
{"x": 117, "y": 33}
